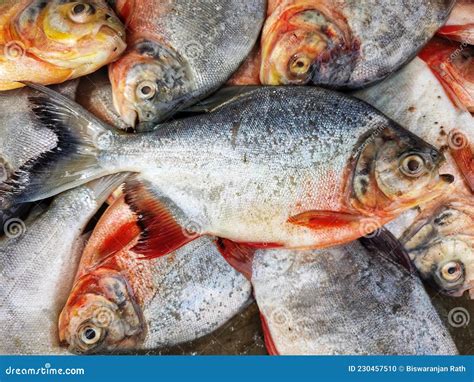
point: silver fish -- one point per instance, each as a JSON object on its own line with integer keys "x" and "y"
{"x": 277, "y": 168}
{"x": 438, "y": 235}
{"x": 345, "y": 300}
{"x": 179, "y": 52}
{"x": 38, "y": 260}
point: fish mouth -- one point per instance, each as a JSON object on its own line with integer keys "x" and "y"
{"x": 116, "y": 34}
{"x": 130, "y": 117}
{"x": 447, "y": 178}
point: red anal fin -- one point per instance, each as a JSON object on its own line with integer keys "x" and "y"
{"x": 324, "y": 219}
{"x": 160, "y": 232}
{"x": 239, "y": 256}
{"x": 269, "y": 344}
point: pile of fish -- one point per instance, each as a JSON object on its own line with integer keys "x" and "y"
{"x": 165, "y": 165}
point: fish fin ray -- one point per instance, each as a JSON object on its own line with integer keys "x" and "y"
{"x": 239, "y": 256}
{"x": 324, "y": 219}
{"x": 157, "y": 217}
{"x": 385, "y": 243}
{"x": 71, "y": 163}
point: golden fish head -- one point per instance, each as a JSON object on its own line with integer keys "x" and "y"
{"x": 78, "y": 35}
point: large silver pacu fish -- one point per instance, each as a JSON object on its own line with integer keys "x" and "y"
{"x": 345, "y": 300}
{"x": 278, "y": 168}
{"x": 345, "y": 43}
{"x": 178, "y": 52}
{"x": 38, "y": 260}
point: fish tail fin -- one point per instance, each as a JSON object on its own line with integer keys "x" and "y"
{"x": 71, "y": 163}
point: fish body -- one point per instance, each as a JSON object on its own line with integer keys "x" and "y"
{"x": 54, "y": 41}
{"x": 168, "y": 301}
{"x": 415, "y": 99}
{"x": 453, "y": 65}
{"x": 460, "y": 25}
{"x": 38, "y": 260}
{"x": 438, "y": 235}
{"x": 344, "y": 300}
{"x": 277, "y": 168}
{"x": 179, "y": 52}
{"x": 345, "y": 44}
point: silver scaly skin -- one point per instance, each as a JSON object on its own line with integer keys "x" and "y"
{"x": 345, "y": 300}
{"x": 38, "y": 260}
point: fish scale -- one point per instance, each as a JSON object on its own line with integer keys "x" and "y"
{"x": 366, "y": 305}
{"x": 31, "y": 304}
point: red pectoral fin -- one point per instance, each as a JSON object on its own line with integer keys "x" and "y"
{"x": 324, "y": 219}
{"x": 160, "y": 232}
{"x": 239, "y": 256}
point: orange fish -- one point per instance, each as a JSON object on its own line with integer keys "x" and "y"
{"x": 49, "y": 42}
{"x": 120, "y": 302}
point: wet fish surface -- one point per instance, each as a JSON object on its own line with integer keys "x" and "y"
{"x": 179, "y": 52}
{"x": 460, "y": 25}
{"x": 49, "y": 42}
{"x": 38, "y": 260}
{"x": 345, "y": 300}
{"x": 280, "y": 185}
{"x": 345, "y": 44}
{"x": 154, "y": 304}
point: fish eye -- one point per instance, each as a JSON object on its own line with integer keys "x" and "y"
{"x": 90, "y": 334}
{"x": 412, "y": 166}
{"x": 452, "y": 271}
{"x": 299, "y": 65}
{"x": 81, "y": 12}
{"x": 146, "y": 90}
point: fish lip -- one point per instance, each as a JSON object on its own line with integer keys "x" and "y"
{"x": 116, "y": 33}
{"x": 130, "y": 117}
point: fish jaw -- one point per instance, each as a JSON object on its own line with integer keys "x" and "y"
{"x": 301, "y": 40}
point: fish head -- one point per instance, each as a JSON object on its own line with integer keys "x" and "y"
{"x": 100, "y": 314}
{"x": 396, "y": 170}
{"x": 79, "y": 35}
{"x": 149, "y": 84}
{"x": 301, "y": 42}
{"x": 441, "y": 247}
